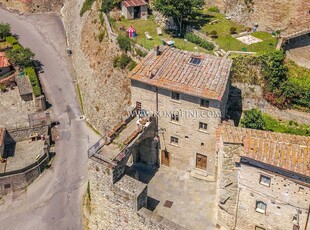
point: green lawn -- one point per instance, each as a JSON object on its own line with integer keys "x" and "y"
{"x": 141, "y": 26}
{"x": 290, "y": 127}
{"x": 227, "y": 42}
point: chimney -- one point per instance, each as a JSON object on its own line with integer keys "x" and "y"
{"x": 156, "y": 50}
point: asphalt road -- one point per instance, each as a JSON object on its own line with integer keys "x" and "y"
{"x": 53, "y": 201}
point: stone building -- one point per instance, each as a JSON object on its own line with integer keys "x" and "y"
{"x": 263, "y": 180}
{"x": 187, "y": 92}
{"x": 5, "y": 66}
{"x": 133, "y": 9}
{"x": 24, "y": 87}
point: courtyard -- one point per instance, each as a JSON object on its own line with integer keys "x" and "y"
{"x": 21, "y": 154}
{"x": 176, "y": 196}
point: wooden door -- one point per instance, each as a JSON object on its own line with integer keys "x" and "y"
{"x": 165, "y": 158}
{"x": 201, "y": 161}
{"x": 138, "y": 106}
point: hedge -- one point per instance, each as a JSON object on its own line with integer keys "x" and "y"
{"x": 33, "y": 80}
{"x": 199, "y": 41}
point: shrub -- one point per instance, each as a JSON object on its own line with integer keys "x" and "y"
{"x": 253, "y": 119}
{"x": 199, "y": 41}
{"x": 213, "y": 34}
{"x": 22, "y": 57}
{"x": 132, "y": 65}
{"x": 2, "y": 87}
{"x": 233, "y": 30}
{"x": 214, "y": 9}
{"x": 11, "y": 40}
{"x": 5, "y": 30}
{"x": 101, "y": 36}
{"x": 124, "y": 60}
{"x": 124, "y": 42}
{"x": 140, "y": 53}
{"x": 107, "y": 5}
{"x": 17, "y": 47}
{"x": 33, "y": 80}
{"x": 86, "y": 6}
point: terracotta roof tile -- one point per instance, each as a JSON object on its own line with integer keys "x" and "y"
{"x": 172, "y": 70}
{"x": 4, "y": 62}
{"x": 133, "y": 3}
{"x": 289, "y": 152}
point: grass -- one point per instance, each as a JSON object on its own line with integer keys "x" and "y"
{"x": 290, "y": 127}
{"x": 298, "y": 75}
{"x": 34, "y": 81}
{"x": 150, "y": 26}
{"x": 227, "y": 42}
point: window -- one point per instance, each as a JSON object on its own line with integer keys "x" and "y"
{"x": 204, "y": 103}
{"x": 301, "y": 190}
{"x": 175, "y": 117}
{"x": 195, "y": 61}
{"x": 260, "y": 207}
{"x": 259, "y": 228}
{"x": 174, "y": 140}
{"x": 203, "y": 126}
{"x": 201, "y": 161}
{"x": 264, "y": 180}
{"x": 175, "y": 96}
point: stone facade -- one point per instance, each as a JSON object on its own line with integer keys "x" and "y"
{"x": 191, "y": 139}
{"x": 240, "y": 188}
{"x": 128, "y": 12}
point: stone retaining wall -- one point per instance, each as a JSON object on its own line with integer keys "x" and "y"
{"x": 20, "y": 179}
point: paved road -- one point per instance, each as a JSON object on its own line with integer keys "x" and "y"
{"x": 53, "y": 201}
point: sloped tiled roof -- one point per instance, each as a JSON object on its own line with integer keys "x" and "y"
{"x": 133, "y": 3}
{"x": 289, "y": 152}
{"x": 171, "y": 69}
{"x": 4, "y": 62}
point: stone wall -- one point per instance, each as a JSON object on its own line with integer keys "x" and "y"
{"x": 20, "y": 134}
{"x": 104, "y": 89}
{"x": 239, "y": 189}
{"x": 191, "y": 139}
{"x": 284, "y": 15}
{"x": 20, "y": 179}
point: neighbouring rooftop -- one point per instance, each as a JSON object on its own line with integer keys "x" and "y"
{"x": 134, "y": 3}
{"x": 24, "y": 85}
{"x": 4, "y": 62}
{"x": 197, "y": 74}
{"x": 289, "y": 152}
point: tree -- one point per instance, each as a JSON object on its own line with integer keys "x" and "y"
{"x": 253, "y": 119}
{"x": 5, "y": 30}
{"x": 107, "y": 5}
{"x": 21, "y": 57}
{"x": 233, "y": 30}
{"x": 178, "y": 10}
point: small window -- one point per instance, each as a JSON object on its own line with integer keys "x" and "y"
{"x": 204, "y": 103}
{"x": 175, "y": 96}
{"x": 174, "y": 140}
{"x": 261, "y": 207}
{"x": 203, "y": 126}
{"x": 259, "y": 228}
{"x": 301, "y": 190}
{"x": 264, "y": 180}
{"x": 175, "y": 117}
{"x": 7, "y": 186}
{"x": 195, "y": 61}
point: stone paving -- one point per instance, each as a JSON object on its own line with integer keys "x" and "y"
{"x": 14, "y": 111}
{"x": 193, "y": 200}
{"x": 21, "y": 155}
{"x": 249, "y": 39}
